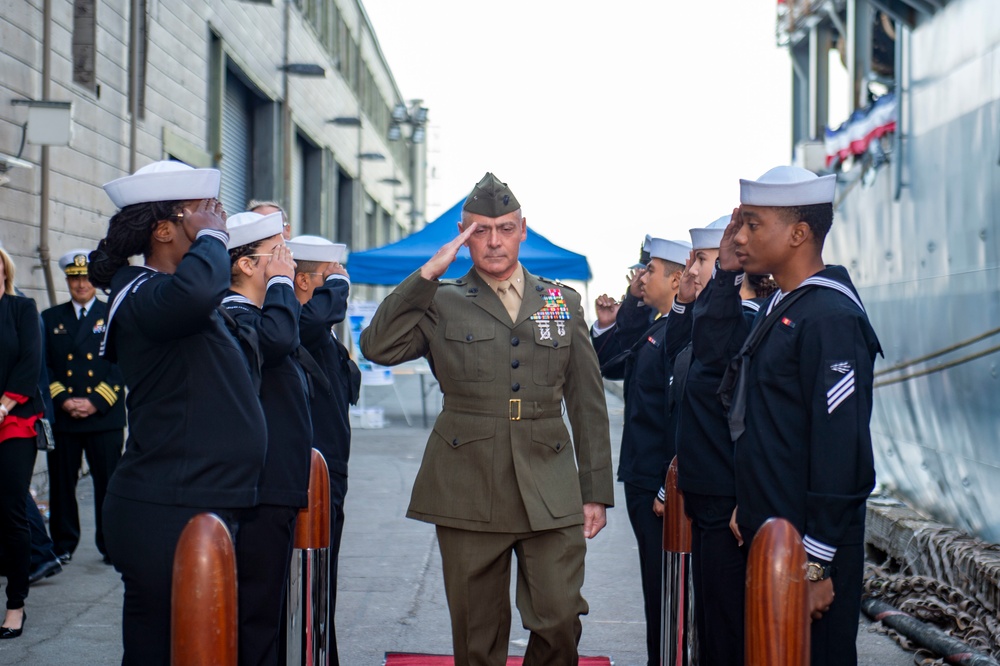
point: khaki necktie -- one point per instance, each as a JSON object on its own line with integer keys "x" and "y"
{"x": 509, "y": 299}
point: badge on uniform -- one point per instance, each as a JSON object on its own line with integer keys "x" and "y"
{"x": 553, "y": 309}
{"x": 840, "y": 384}
{"x": 99, "y": 326}
{"x": 59, "y": 330}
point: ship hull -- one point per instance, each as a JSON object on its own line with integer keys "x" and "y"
{"x": 921, "y": 238}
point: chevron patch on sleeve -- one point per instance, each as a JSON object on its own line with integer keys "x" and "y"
{"x": 840, "y": 380}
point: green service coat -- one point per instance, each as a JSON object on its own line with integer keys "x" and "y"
{"x": 483, "y": 470}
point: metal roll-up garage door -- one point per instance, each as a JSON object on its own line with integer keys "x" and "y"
{"x": 295, "y": 199}
{"x": 237, "y": 137}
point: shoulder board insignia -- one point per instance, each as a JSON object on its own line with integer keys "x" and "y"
{"x": 557, "y": 283}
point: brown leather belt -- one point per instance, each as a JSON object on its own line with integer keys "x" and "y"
{"x": 514, "y": 410}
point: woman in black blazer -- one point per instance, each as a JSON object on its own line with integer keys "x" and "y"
{"x": 197, "y": 435}
{"x": 20, "y": 407}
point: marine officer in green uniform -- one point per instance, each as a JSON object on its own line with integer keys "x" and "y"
{"x": 500, "y": 472}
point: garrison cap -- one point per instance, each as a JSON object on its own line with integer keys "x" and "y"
{"x": 491, "y": 198}
{"x": 75, "y": 262}
{"x": 788, "y": 186}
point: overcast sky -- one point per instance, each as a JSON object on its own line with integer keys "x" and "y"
{"x": 609, "y": 120}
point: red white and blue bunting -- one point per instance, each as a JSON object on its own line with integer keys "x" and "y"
{"x": 863, "y": 127}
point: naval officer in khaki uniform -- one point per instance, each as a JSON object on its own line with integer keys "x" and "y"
{"x": 501, "y": 472}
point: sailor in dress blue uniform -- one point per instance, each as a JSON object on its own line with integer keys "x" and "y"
{"x": 801, "y": 399}
{"x": 197, "y": 436}
{"x": 322, "y": 287}
{"x": 704, "y": 449}
{"x": 648, "y": 438}
{"x": 265, "y": 314}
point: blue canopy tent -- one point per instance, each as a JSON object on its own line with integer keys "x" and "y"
{"x": 391, "y": 264}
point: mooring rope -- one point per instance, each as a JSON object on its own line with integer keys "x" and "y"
{"x": 935, "y": 602}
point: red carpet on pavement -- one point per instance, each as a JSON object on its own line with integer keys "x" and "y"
{"x": 413, "y": 659}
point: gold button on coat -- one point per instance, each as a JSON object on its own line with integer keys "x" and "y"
{"x": 69, "y": 357}
{"x": 90, "y": 357}
{"x": 89, "y": 389}
{"x": 69, "y": 373}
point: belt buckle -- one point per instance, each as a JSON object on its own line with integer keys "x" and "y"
{"x": 513, "y": 402}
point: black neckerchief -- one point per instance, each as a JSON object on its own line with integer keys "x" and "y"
{"x": 733, "y": 389}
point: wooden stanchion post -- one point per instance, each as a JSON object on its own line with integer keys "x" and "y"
{"x": 777, "y": 603}
{"x": 308, "y": 620}
{"x": 678, "y": 643}
{"x": 203, "y": 618}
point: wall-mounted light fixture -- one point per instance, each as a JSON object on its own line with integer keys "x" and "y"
{"x": 49, "y": 123}
{"x": 303, "y": 69}
{"x": 345, "y": 121}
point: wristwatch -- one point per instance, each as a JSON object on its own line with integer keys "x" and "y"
{"x": 816, "y": 572}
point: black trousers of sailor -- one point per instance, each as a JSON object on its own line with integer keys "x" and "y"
{"x": 833, "y": 638}
{"x": 141, "y": 538}
{"x": 648, "y": 529}
{"x": 719, "y": 570}
{"x": 338, "y": 491}
{"x": 103, "y": 450}
{"x": 263, "y": 554}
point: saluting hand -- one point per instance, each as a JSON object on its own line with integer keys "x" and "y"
{"x": 280, "y": 262}
{"x": 727, "y": 248}
{"x": 607, "y": 310}
{"x": 687, "y": 291}
{"x": 203, "y": 214}
{"x": 634, "y": 278}
{"x": 335, "y": 268}
{"x": 438, "y": 265}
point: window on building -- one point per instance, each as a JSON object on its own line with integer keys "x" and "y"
{"x": 85, "y": 43}
{"x": 137, "y": 57}
{"x": 306, "y": 200}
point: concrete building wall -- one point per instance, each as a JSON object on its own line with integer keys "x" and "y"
{"x": 189, "y": 45}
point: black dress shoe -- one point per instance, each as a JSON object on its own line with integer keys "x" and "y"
{"x": 7, "y": 632}
{"x": 64, "y": 557}
{"x": 44, "y": 570}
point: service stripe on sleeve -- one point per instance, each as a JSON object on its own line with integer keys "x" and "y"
{"x": 840, "y": 392}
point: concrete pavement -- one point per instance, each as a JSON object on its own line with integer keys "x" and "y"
{"x": 391, "y": 594}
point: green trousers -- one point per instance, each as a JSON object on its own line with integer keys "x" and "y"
{"x": 477, "y": 583}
